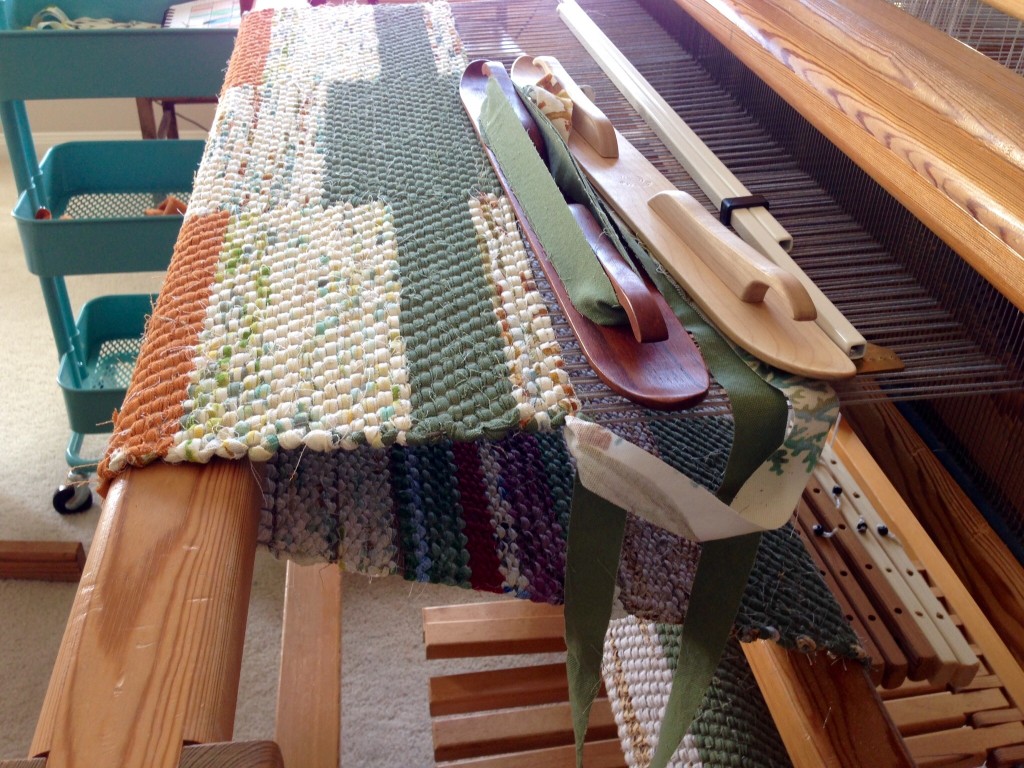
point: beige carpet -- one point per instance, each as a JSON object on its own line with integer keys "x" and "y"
{"x": 385, "y": 720}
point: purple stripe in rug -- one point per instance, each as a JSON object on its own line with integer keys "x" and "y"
{"x": 479, "y": 531}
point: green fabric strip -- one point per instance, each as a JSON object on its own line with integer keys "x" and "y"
{"x": 717, "y": 589}
{"x": 596, "y": 528}
{"x": 584, "y": 279}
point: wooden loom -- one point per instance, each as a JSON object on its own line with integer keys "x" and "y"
{"x": 143, "y": 671}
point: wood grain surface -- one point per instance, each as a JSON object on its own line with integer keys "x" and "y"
{"x": 979, "y": 579}
{"x": 42, "y": 560}
{"x": 308, "y": 723}
{"x": 152, "y": 650}
{"x": 989, "y": 571}
{"x": 827, "y": 711}
{"x": 934, "y": 122}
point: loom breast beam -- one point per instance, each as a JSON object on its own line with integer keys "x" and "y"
{"x": 756, "y": 226}
{"x": 151, "y": 655}
{"x": 664, "y": 375}
{"x": 766, "y": 329}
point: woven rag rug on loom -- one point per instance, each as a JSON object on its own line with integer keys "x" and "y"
{"x": 350, "y": 306}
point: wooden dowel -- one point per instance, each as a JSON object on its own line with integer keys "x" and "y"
{"x": 152, "y": 651}
{"x": 42, "y": 560}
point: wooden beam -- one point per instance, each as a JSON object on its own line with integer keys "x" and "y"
{"x": 824, "y": 709}
{"x": 308, "y": 727}
{"x": 151, "y": 655}
{"x": 1013, "y": 8}
{"x": 929, "y": 119}
{"x": 242, "y": 754}
{"x": 42, "y": 560}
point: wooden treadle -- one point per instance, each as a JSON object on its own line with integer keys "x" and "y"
{"x": 512, "y": 715}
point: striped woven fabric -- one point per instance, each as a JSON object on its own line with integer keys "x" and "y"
{"x": 350, "y": 305}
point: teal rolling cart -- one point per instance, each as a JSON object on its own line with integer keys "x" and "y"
{"x": 80, "y": 209}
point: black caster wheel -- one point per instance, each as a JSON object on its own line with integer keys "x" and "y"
{"x": 73, "y": 498}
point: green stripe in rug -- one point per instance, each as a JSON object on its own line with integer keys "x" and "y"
{"x": 404, "y": 139}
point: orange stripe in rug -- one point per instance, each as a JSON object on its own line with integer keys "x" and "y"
{"x": 251, "y": 49}
{"x": 152, "y": 410}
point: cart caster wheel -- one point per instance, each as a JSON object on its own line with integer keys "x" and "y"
{"x": 72, "y": 498}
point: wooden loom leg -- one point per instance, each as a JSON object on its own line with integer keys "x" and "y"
{"x": 308, "y": 728}
{"x": 151, "y": 654}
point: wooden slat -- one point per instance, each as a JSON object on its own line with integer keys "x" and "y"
{"x": 930, "y": 120}
{"x": 308, "y": 722}
{"x": 889, "y": 554}
{"x": 244, "y": 754}
{"x": 491, "y": 733}
{"x": 825, "y": 709}
{"x": 1004, "y": 757}
{"x": 511, "y": 687}
{"x": 488, "y": 637}
{"x": 960, "y": 545}
{"x": 894, "y": 671}
{"x": 922, "y": 655}
{"x": 496, "y": 609}
{"x": 42, "y": 560}
{"x": 996, "y": 717}
{"x": 596, "y": 754}
{"x": 945, "y": 747}
{"x": 152, "y": 651}
{"x": 940, "y": 711}
{"x": 863, "y": 636}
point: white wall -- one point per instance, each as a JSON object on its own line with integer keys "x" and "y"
{"x": 66, "y": 120}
